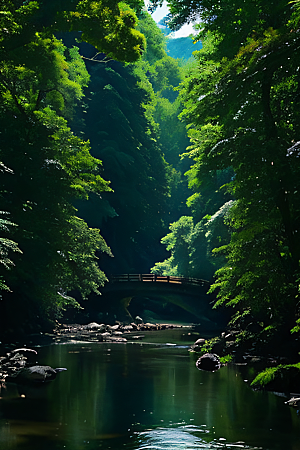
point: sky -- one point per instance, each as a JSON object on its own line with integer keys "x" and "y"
{"x": 161, "y": 12}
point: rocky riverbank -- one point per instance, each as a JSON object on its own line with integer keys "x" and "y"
{"x": 272, "y": 368}
{"x": 17, "y": 359}
{"x": 95, "y": 332}
{"x": 268, "y": 369}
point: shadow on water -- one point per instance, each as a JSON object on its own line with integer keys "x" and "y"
{"x": 141, "y": 396}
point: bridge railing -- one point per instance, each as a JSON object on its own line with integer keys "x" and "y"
{"x": 154, "y": 278}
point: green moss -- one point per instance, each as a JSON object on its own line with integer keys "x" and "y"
{"x": 265, "y": 377}
{"x": 281, "y": 377}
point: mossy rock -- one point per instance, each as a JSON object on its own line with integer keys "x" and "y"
{"x": 283, "y": 378}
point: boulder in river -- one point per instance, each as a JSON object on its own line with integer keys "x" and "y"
{"x": 34, "y": 375}
{"x": 197, "y": 346}
{"x": 209, "y": 362}
{"x": 95, "y": 326}
{"x": 138, "y": 320}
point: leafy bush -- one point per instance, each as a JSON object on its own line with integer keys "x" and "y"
{"x": 226, "y": 359}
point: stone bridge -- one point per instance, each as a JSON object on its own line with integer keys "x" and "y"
{"x": 190, "y": 294}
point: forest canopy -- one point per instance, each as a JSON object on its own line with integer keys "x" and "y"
{"x": 45, "y": 165}
{"x": 241, "y": 103}
{"x": 82, "y": 149}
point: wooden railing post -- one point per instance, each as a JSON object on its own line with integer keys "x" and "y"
{"x": 157, "y": 278}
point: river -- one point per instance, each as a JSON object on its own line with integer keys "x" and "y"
{"x": 142, "y": 395}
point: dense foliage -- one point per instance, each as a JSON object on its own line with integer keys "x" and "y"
{"x": 45, "y": 166}
{"x": 73, "y": 115}
{"x": 242, "y": 104}
{"x": 89, "y": 142}
{"x": 123, "y": 136}
{"x": 137, "y": 135}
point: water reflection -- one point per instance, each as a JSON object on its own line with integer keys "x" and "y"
{"x": 164, "y": 438}
{"x": 186, "y": 437}
{"x": 138, "y": 396}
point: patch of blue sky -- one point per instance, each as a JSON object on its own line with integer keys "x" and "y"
{"x": 162, "y": 11}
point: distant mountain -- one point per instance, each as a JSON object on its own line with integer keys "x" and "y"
{"x": 182, "y": 47}
{"x": 163, "y": 25}
{"x": 178, "y": 47}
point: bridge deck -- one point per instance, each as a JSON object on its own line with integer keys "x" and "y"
{"x": 153, "y": 278}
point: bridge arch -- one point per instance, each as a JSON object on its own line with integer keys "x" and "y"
{"x": 187, "y": 293}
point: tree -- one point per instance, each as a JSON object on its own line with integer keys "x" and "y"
{"x": 53, "y": 166}
{"x": 107, "y": 25}
{"x": 242, "y": 106}
{"x": 178, "y": 242}
{"x": 191, "y": 246}
{"x": 7, "y": 246}
{"x": 156, "y": 41}
{"x": 165, "y": 74}
{"x": 233, "y": 23}
{"x": 132, "y": 100}
{"x": 41, "y": 82}
{"x": 122, "y": 132}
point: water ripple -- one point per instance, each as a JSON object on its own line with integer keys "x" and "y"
{"x": 184, "y": 437}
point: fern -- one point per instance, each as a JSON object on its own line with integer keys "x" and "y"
{"x": 6, "y": 247}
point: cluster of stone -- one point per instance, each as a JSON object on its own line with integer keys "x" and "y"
{"x": 16, "y": 360}
{"x": 227, "y": 344}
{"x": 95, "y": 332}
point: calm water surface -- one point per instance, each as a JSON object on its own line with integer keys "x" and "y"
{"x": 138, "y": 396}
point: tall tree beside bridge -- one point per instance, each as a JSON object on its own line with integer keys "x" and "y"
{"x": 242, "y": 104}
